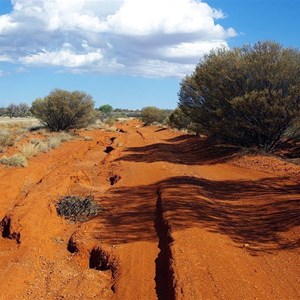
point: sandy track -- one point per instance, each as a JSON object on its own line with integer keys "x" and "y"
{"x": 181, "y": 221}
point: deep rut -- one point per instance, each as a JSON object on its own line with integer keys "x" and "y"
{"x": 164, "y": 277}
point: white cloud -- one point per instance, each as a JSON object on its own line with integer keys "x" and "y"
{"x": 5, "y": 58}
{"x": 7, "y": 24}
{"x": 192, "y": 50}
{"x": 64, "y": 57}
{"x": 138, "y": 17}
{"x": 135, "y": 37}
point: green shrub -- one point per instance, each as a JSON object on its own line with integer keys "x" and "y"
{"x": 16, "y": 160}
{"x": 106, "y": 109}
{"x": 152, "y": 114}
{"x": 62, "y": 110}
{"x": 76, "y": 208}
{"x": 247, "y": 96}
{"x": 179, "y": 120}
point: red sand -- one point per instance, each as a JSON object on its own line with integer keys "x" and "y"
{"x": 185, "y": 220}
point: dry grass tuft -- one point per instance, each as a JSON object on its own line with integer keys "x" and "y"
{"x": 16, "y": 160}
{"x": 29, "y": 150}
{"x": 7, "y": 139}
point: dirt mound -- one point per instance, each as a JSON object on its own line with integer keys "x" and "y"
{"x": 269, "y": 164}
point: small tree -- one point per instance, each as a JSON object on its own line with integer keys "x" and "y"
{"x": 105, "y": 112}
{"x": 12, "y": 110}
{"x": 247, "y": 96}
{"x": 62, "y": 110}
{"x": 106, "y": 109}
{"x": 24, "y": 110}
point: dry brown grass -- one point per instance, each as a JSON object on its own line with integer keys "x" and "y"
{"x": 16, "y": 160}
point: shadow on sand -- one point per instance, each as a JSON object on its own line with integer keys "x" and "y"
{"x": 185, "y": 149}
{"x": 258, "y": 213}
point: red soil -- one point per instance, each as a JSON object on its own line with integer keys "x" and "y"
{"x": 182, "y": 220}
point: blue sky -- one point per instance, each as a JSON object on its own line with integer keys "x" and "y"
{"x": 131, "y": 53}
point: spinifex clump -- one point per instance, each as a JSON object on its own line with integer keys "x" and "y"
{"x": 76, "y": 208}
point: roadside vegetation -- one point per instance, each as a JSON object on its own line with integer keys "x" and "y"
{"x": 247, "y": 96}
{"x": 62, "y": 110}
{"x": 42, "y": 144}
{"x": 153, "y": 115}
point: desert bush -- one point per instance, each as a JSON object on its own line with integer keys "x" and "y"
{"x": 62, "y": 110}
{"x": 106, "y": 109}
{"x": 29, "y": 150}
{"x": 179, "y": 120}
{"x": 152, "y": 114}
{"x": 76, "y": 208}
{"x": 7, "y": 139}
{"x": 110, "y": 121}
{"x": 247, "y": 96}
{"x": 54, "y": 142}
{"x": 16, "y": 160}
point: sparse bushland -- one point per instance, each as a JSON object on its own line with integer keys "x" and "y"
{"x": 152, "y": 114}
{"x": 247, "y": 96}
{"x": 62, "y": 110}
{"x": 16, "y": 160}
{"x": 52, "y": 142}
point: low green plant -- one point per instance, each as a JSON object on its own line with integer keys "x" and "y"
{"x": 76, "y": 208}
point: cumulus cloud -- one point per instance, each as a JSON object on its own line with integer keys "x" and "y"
{"x": 133, "y": 37}
{"x": 64, "y": 57}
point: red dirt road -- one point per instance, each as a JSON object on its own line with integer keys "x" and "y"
{"x": 182, "y": 220}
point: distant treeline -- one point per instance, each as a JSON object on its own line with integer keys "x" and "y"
{"x": 15, "y": 110}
